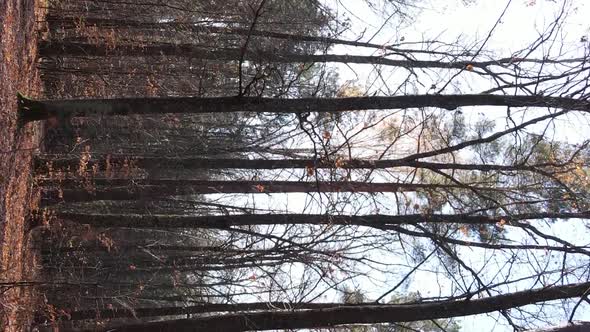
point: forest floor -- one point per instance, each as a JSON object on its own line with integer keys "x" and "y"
{"x": 18, "y": 72}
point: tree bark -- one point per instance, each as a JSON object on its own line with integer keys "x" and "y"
{"x": 81, "y": 48}
{"x": 31, "y": 110}
{"x": 360, "y": 314}
{"x": 152, "y": 162}
{"x": 58, "y": 48}
{"x": 177, "y": 221}
{"x": 126, "y": 189}
{"x": 73, "y": 22}
{"x": 577, "y": 326}
{"x": 195, "y": 309}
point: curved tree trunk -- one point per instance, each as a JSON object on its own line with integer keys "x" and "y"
{"x": 359, "y": 314}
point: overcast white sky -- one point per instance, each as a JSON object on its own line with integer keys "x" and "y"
{"x": 450, "y": 21}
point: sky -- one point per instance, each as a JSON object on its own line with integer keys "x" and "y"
{"x": 523, "y": 22}
{"x": 470, "y": 22}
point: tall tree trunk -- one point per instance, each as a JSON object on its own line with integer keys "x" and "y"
{"x": 126, "y": 189}
{"x": 57, "y": 22}
{"x": 152, "y": 162}
{"x": 576, "y": 326}
{"x": 207, "y": 28}
{"x": 359, "y": 314}
{"x": 31, "y": 110}
{"x": 81, "y": 48}
{"x": 177, "y": 221}
{"x": 194, "y": 309}
{"x": 58, "y": 48}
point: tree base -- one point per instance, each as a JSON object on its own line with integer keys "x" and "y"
{"x": 29, "y": 110}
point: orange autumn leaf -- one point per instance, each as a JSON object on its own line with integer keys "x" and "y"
{"x": 339, "y": 163}
{"x": 469, "y": 67}
{"x": 327, "y": 135}
{"x": 464, "y": 230}
{"x": 260, "y": 188}
{"x": 501, "y": 223}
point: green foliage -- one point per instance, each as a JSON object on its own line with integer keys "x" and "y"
{"x": 435, "y": 325}
{"x": 354, "y": 296}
